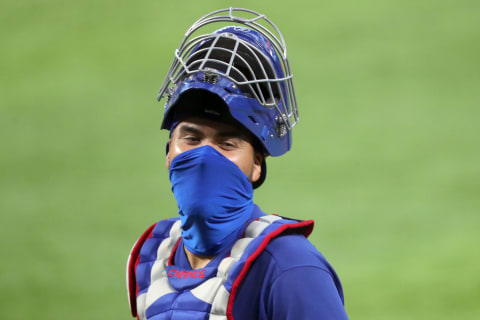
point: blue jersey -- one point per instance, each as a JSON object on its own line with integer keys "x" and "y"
{"x": 289, "y": 279}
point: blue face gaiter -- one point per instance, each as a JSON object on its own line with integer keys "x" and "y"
{"x": 214, "y": 197}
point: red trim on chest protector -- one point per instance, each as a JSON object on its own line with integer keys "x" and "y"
{"x": 172, "y": 254}
{"x": 132, "y": 266}
{"x": 307, "y": 227}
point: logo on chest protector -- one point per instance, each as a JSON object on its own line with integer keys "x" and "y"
{"x": 173, "y": 273}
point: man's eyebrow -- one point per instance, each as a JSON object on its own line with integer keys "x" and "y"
{"x": 237, "y": 134}
{"x": 184, "y": 129}
{"x": 222, "y": 134}
{"x": 229, "y": 134}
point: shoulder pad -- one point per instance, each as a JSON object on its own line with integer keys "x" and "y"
{"x": 131, "y": 264}
{"x": 304, "y": 227}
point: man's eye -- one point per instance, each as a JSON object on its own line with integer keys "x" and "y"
{"x": 228, "y": 144}
{"x": 191, "y": 139}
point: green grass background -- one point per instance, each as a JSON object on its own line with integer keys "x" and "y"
{"x": 385, "y": 158}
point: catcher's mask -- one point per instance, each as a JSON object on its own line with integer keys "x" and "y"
{"x": 246, "y": 66}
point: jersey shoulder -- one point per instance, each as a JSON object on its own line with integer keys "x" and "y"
{"x": 295, "y": 250}
{"x": 290, "y": 276}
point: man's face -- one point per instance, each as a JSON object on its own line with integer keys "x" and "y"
{"x": 226, "y": 139}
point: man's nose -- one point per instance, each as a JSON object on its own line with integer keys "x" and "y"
{"x": 212, "y": 144}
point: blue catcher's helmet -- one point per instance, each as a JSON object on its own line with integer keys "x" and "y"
{"x": 245, "y": 65}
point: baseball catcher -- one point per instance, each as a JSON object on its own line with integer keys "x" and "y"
{"x": 229, "y": 104}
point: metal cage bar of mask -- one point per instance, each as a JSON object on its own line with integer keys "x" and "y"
{"x": 185, "y": 63}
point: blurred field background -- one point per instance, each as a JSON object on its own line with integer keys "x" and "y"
{"x": 385, "y": 158}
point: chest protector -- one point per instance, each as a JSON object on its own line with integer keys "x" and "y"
{"x": 158, "y": 290}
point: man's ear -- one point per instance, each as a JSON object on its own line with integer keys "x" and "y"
{"x": 257, "y": 166}
{"x": 167, "y": 158}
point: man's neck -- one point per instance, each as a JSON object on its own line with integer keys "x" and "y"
{"x": 196, "y": 261}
